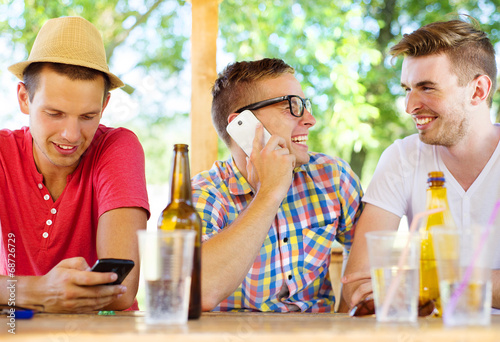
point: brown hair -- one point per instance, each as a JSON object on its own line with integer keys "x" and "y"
{"x": 235, "y": 88}
{"x": 468, "y": 48}
{"x": 31, "y": 75}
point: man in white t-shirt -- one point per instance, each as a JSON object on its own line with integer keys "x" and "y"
{"x": 449, "y": 76}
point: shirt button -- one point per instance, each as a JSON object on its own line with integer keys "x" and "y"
{"x": 289, "y": 277}
{"x": 49, "y": 222}
{"x": 53, "y": 210}
{"x": 285, "y": 240}
{"x": 46, "y": 197}
{"x": 40, "y": 186}
{"x": 45, "y": 235}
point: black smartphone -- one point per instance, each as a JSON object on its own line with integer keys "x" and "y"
{"x": 122, "y": 267}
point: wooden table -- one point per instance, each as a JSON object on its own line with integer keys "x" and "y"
{"x": 240, "y": 327}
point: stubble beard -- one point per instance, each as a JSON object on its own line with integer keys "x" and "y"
{"x": 451, "y": 131}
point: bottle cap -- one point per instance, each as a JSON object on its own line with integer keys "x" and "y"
{"x": 435, "y": 176}
{"x": 178, "y": 147}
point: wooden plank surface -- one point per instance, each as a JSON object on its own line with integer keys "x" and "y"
{"x": 260, "y": 327}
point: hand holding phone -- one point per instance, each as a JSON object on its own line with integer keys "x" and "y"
{"x": 242, "y": 130}
{"x": 121, "y": 267}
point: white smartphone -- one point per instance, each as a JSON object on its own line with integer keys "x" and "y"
{"x": 242, "y": 130}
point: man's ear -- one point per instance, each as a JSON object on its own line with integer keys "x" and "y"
{"x": 23, "y": 98}
{"x": 231, "y": 117}
{"x": 481, "y": 89}
{"x": 106, "y": 101}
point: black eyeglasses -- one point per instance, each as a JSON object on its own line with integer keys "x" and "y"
{"x": 296, "y": 103}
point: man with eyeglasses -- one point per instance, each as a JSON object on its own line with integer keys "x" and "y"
{"x": 269, "y": 220}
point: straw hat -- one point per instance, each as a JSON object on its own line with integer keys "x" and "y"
{"x": 68, "y": 40}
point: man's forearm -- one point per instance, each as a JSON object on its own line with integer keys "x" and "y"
{"x": 16, "y": 290}
{"x": 117, "y": 238}
{"x": 228, "y": 256}
{"x": 9, "y": 290}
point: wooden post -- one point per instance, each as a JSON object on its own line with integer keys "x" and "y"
{"x": 205, "y": 27}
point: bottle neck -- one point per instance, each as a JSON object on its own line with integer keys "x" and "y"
{"x": 180, "y": 179}
{"x": 436, "y": 197}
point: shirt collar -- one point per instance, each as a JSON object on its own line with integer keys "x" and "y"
{"x": 237, "y": 184}
{"x": 301, "y": 168}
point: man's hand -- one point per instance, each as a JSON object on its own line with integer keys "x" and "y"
{"x": 71, "y": 287}
{"x": 270, "y": 167}
{"x": 357, "y": 283}
{"x": 364, "y": 288}
{"x": 362, "y": 298}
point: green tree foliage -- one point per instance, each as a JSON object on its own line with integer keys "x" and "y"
{"x": 117, "y": 20}
{"x": 338, "y": 48}
{"x": 146, "y": 46}
{"x": 340, "y": 52}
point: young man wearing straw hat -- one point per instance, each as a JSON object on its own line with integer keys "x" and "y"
{"x": 449, "y": 76}
{"x": 71, "y": 190}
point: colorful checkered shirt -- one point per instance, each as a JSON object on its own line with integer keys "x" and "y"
{"x": 323, "y": 204}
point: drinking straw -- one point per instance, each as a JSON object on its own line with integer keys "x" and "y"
{"x": 468, "y": 271}
{"x": 402, "y": 259}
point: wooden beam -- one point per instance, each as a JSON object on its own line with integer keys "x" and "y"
{"x": 205, "y": 27}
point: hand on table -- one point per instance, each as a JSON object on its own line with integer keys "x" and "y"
{"x": 71, "y": 287}
{"x": 364, "y": 288}
{"x": 363, "y": 297}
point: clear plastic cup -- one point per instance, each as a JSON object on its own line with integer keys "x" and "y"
{"x": 464, "y": 261}
{"x": 166, "y": 264}
{"x": 396, "y": 287}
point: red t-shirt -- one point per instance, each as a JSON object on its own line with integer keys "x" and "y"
{"x": 110, "y": 175}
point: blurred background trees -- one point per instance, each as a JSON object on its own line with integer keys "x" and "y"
{"x": 338, "y": 48}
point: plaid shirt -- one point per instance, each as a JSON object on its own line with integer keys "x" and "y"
{"x": 323, "y": 204}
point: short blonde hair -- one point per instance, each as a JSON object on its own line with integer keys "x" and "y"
{"x": 468, "y": 48}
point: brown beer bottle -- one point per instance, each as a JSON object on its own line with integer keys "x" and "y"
{"x": 180, "y": 214}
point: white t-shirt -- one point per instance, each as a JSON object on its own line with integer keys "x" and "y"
{"x": 399, "y": 186}
{"x": 399, "y": 183}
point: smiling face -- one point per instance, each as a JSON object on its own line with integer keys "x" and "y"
{"x": 64, "y": 116}
{"x": 277, "y": 119}
{"x": 436, "y": 102}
